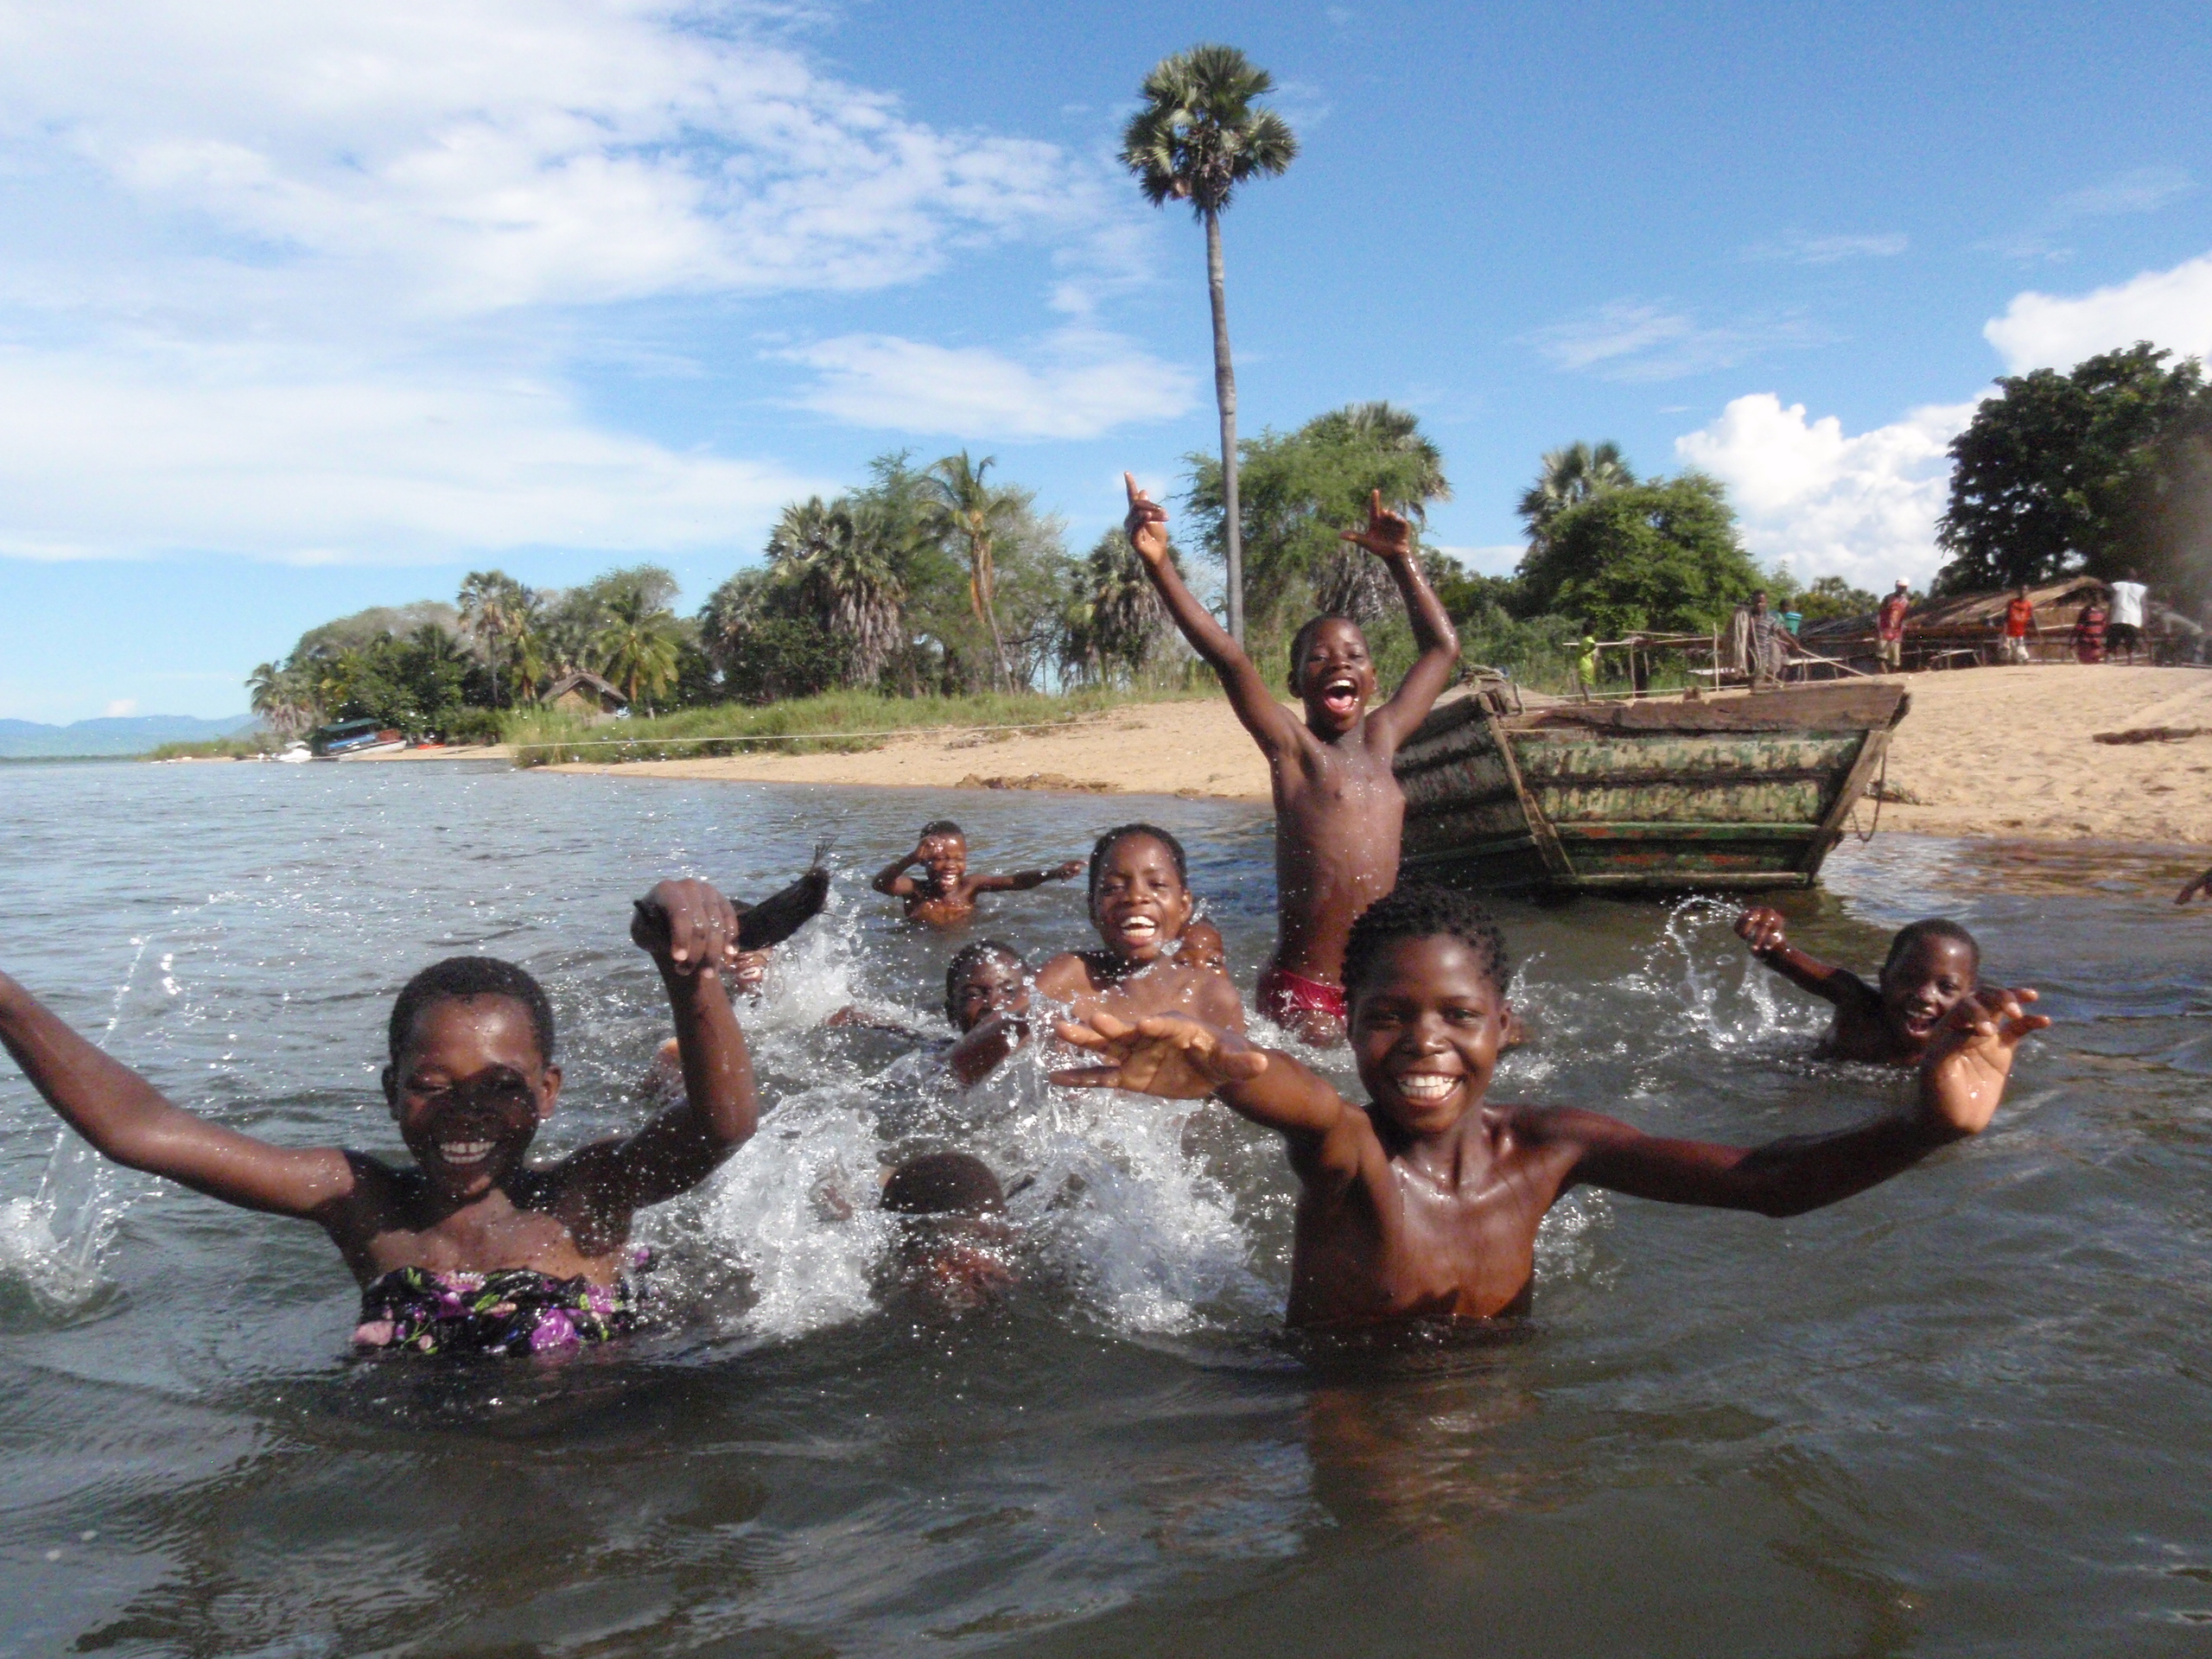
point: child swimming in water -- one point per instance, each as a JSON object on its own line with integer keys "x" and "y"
{"x": 470, "y": 1248}
{"x": 1932, "y": 966}
{"x": 954, "y": 1240}
{"x": 1339, "y": 814}
{"x": 1424, "y": 1203}
{"x": 1140, "y": 904}
{"x": 946, "y": 894}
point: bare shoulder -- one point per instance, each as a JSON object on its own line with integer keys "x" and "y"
{"x": 1066, "y": 976}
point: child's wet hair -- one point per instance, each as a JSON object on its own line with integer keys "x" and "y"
{"x": 942, "y": 827}
{"x": 1420, "y": 913}
{"x": 943, "y": 1184}
{"x": 1932, "y": 927}
{"x": 965, "y": 959}
{"x": 1121, "y": 833}
{"x": 467, "y": 976}
{"x": 1304, "y": 637}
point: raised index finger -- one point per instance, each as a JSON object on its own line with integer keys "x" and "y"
{"x": 1129, "y": 483}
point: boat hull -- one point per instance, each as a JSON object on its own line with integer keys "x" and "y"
{"x": 1738, "y": 794}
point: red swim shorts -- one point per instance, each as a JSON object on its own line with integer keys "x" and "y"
{"x": 1284, "y": 996}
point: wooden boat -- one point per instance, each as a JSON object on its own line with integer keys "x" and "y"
{"x": 1733, "y": 793}
{"x": 351, "y": 739}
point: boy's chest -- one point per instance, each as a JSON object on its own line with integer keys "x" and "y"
{"x": 1471, "y": 1246}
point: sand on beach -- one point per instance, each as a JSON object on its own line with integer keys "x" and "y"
{"x": 2002, "y": 751}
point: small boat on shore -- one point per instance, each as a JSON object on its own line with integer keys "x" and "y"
{"x": 1734, "y": 793}
{"x": 350, "y": 739}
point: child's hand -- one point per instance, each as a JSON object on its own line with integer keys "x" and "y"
{"x": 1763, "y": 929}
{"x": 1147, "y": 524}
{"x": 1387, "y": 535}
{"x": 2202, "y": 885}
{"x": 1962, "y": 1076}
{"x": 1170, "y": 1055}
{"x": 1066, "y": 872}
{"x": 686, "y": 925}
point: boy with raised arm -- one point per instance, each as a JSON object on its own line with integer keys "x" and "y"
{"x": 944, "y": 894}
{"x": 1424, "y": 1204}
{"x": 1932, "y": 965}
{"x": 471, "y": 1246}
{"x": 1339, "y": 814}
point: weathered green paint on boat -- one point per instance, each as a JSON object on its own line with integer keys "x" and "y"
{"x": 1739, "y": 792}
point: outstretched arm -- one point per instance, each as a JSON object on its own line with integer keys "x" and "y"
{"x": 1022, "y": 880}
{"x": 978, "y": 1051}
{"x": 1961, "y": 1082}
{"x": 893, "y": 878}
{"x": 1390, "y": 539}
{"x": 126, "y": 1119}
{"x": 690, "y": 931}
{"x": 1270, "y": 723}
{"x": 2202, "y": 885}
{"x": 1765, "y": 931}
{"x": 1177, "y": 1057}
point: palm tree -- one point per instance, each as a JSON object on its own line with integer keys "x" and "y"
{"x": 281, "y": 699}
{"x": 636, "y": 646}
{"x": 1196, "y": 139}
{"x": 493, "y": 607}
{"x": 1115, "y": 619}
{"x": 966, "y": 508}
{"x": 1570, "y": 477}
{"x": 853, "y": 583}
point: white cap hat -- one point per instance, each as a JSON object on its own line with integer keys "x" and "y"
{"x": 1902, "y": 582}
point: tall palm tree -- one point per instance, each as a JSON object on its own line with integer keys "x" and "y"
{"x": 969, "y": 509}
{"x": 636, "y": 646}
{"x": 1196, "y": 139}
{"x": 853, "y": 583}
{"x": 493, "y": 607}
{"x": 1115, "y": 619}
{"x": 1570, "y": 477}
{"x": 281, "y": 699}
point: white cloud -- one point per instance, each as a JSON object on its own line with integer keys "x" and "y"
{"x": 1083, "y": 384}
{"x": 1501, "y": 559}
{"x": 2171, "y": 309}
{"x": 1797, "y": 248}
{"x": 1628, "y": 340}
{"x": 1824, "y": 504}
{"x": 121, "y": 708}
{"x": 102, "y": 456}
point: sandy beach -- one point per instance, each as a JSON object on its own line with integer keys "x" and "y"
{"x": 2004, "y": 752}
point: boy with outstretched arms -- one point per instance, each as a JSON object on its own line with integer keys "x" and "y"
{"x": 944, "y": 894}
{"x": 1426, "y": 1203}
{"x": 1340, "y": 815}
{"x": 1932, "y": 966}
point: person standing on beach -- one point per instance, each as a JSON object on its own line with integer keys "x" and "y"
{"x": 2129, "y": 597}
{"x": 1889, "y": 626}
{"x": 1339, "y": 814}
{"x": 2019, "y": 622}
{"x": 2088, "y": 637}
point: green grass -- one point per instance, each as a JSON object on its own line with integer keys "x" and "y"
{"x": 217, "y": 749}
{"x": 822, "y": 725}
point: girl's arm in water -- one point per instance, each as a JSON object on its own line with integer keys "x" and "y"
{"x": 1765, "y": 931}
{"x": 1962, "y": 1080}
{"x": 127, "y": 1119}
{"x": 1177, "y": 1057}
{"x": 690, "y": 931}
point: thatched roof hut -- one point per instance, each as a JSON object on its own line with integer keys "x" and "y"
{"x": 584, "y": 693}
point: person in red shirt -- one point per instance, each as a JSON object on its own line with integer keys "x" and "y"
{"x": 2089, "y": 629}
{"x": 1889, "y": 627}
{"x": 2019, "y": 623}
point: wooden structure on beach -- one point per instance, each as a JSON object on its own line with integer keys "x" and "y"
{"x": 1967, "y": 629}
{"x": 1736, "y": 792}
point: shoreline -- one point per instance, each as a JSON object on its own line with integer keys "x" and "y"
{"x": 2005, "y": 754}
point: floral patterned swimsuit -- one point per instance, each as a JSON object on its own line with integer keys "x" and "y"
{"x": 513, "y": 1311}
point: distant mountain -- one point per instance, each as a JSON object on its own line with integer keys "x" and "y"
{"x": 25, "y": 739}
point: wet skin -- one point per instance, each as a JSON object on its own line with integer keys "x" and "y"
{"x": 468, "y": 1090}
{"x": 1339, "y": 813}
{"x": 1424, "y": 1203}
{"x": 1891, "y": 1022}
{"x": 945, "y": 895}
{"x": 990, "y": 1007}
{"x": 1141, "y": 910}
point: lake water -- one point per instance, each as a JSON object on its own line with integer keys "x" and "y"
{"x": 1969, "y": 1412}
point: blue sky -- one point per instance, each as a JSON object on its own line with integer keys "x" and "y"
{"x": 306, "y": 308}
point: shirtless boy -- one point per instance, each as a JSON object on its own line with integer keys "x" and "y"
{"x": 1932, "y": 966}
{"x": 1140, "y": 904}
{"x": 470, "y": 1247}
{"x": 1424, "y": 1203}
{"x": 944, "y": 895}
{"x": 1339, "y": 814}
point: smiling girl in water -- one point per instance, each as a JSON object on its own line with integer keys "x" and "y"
{"x": 1156, "y": 960}
{"x": 470, "y": 1248}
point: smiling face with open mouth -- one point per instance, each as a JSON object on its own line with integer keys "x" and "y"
{"x": 1925, "y": 982}
{"x": 1335, "y": 675}
{"x": 469, "y": 1089}
{"x": 1140, "y": 905}
{"x": 1426, "y": 1024}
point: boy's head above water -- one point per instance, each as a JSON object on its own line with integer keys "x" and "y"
{"x": 1331, "y": 673}
{"x": 1425, "y": 972}
{"x": 1931, "y": 966}
{"x": 1140, "y": 891}
{"x": 942, "y": 848}
{"x": 982, "y": 979}
{"x": 471, "y": 1075}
